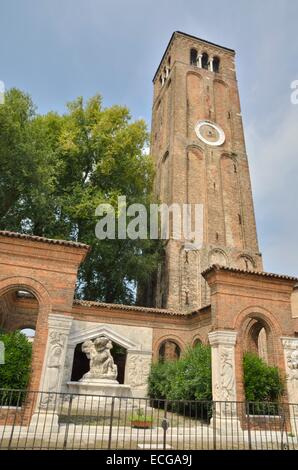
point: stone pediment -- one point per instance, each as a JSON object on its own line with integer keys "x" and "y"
{"x": 102, "y": 330}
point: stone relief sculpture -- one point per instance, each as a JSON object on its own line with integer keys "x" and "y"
{"x": 138, "y": 370}
{"x": 292, "y": 363}
{"x": 227, "y": 375}
{"x": 57, "y": 341}
{"x": 291, "y": 359}
{"x": 101, "y": 360}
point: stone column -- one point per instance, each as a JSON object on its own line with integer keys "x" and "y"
{"x": 49, "y": 399}
{"x": 290, "y": 346}
{"x": 211, "y": 64}
{"x": 223, "y": 379}
{"x": 199, "y": 61}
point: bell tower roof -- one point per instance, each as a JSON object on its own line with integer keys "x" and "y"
{"x": 202, "y": 41}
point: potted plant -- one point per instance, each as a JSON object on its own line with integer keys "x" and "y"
{"x": 140, "y": 420}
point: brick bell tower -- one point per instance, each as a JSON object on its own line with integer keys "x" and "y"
{"x": 198, "y": 146}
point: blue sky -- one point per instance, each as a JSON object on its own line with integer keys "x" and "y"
{"x": 58, "y": 50}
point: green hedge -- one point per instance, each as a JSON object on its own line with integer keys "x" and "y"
{"x": 14, "y": 374}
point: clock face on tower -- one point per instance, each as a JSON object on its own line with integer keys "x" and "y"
{"x": 210, "y": 133}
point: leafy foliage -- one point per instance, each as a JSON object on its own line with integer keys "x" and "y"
{"x": 14, "y": 374}
{"x": 261, "y": 382}
{"x": 140, "y": 415}
{"x": 56, "y": 169}
{"x": 188, "y": 378}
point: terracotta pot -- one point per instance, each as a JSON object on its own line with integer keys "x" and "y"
{"x": 141, "y": 424}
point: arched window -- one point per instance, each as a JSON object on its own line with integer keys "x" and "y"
{"x": 205, "y": 61}
{"x": 169, "y": 351}
{"x": 216, "y": 62}
{"x": 193, "y": 56}
{"x": 218, "y": 257}
{"x": 246, "y": 263}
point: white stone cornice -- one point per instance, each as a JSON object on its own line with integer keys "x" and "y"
{"x": 60, "y": 322}
{"x": 222, "y": 337}
{"x": 289, "y": 338}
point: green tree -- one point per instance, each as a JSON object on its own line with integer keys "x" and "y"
{"x": 56, "y": 169}
{"x": 14, "y": 374}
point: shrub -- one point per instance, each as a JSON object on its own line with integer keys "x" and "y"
{"x": 188, "y": 378}
{"x": 261, "y": 382}
{"x": 14, "y": 374}
{"x": 160, "y": 379}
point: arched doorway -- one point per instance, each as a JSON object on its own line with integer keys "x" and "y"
{"x": 81, "y": 362}
{"x": 169, "y": 350}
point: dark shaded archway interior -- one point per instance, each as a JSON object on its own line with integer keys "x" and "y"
{"x": 18, "y": 310}
{"x": 259, "y": 340}
{"x": 169, "y": 351}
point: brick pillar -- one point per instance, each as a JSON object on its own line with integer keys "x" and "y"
{"x": 224, "y": 379}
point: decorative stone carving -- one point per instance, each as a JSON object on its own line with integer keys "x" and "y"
{"x": 56, "y": 343}
{"x": 227, "y": 380}
{"x": 59, "y": 327}
{"x": 223, "y": 375}
{"x": 136, "y": 340}
{"x": 101, "y": 360}
{"x": 217, "y": 256}
{"x": 291, "y": 362}
{"x": 138, "y": 366}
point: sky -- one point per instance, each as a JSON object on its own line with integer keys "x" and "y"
{"x": 57, "y": 50}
